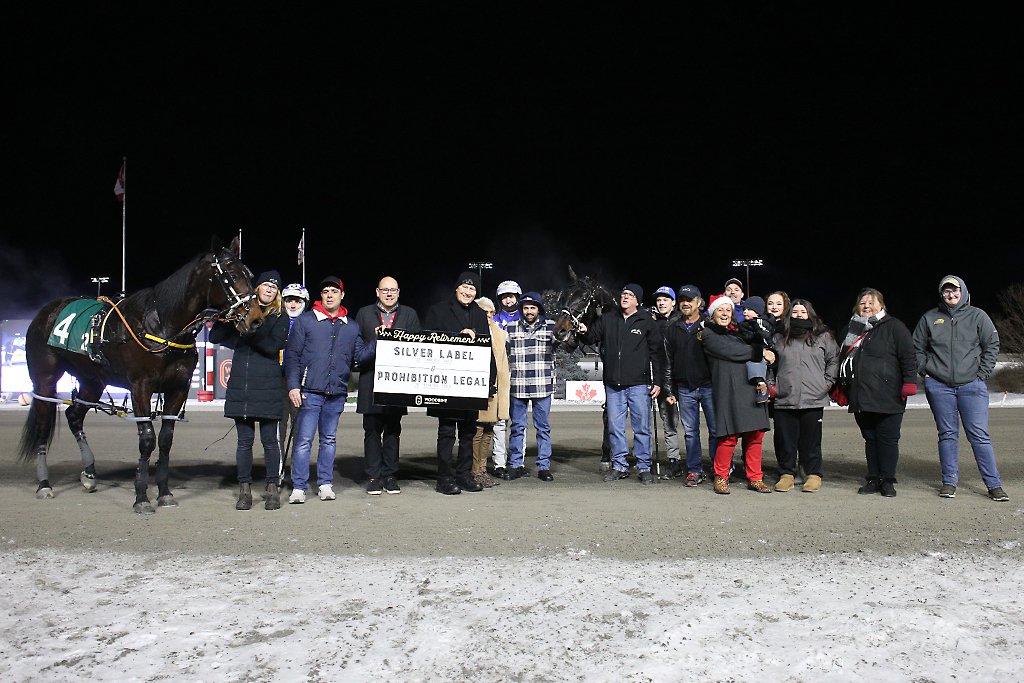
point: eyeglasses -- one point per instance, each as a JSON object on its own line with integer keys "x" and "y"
{"x": 951, "y": 292}
{"x": 388, "y": 290}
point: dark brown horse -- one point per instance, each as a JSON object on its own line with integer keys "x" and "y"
{"x": 581, "y": 301}
{"x": 144, "y": 343}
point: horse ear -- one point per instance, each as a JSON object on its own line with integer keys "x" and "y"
{"x": 236, "y": 247}
{"x": 572, "y": 274}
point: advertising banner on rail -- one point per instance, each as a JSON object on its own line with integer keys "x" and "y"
{"x": 432, "y": 369}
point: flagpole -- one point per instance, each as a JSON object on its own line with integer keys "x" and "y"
{"x": 239, "y": 243}
{"x": 303, "y": 243}
{"x": 124, "y": 205}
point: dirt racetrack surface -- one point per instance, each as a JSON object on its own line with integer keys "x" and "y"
{"x": 577, "y": 512}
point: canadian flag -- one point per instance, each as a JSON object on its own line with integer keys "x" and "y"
{"x": 119, "y": 184}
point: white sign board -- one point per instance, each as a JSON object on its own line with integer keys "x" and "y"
{"x": 584, "y": 393}
{"x": 436, "y": 369}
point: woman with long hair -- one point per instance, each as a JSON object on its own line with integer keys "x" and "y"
{"x": 254, "y": 390}
{"x": 806, "y": 369}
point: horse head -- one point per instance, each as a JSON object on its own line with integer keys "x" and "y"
{"x": 231, "y": 292}
{"x": 582, "y": 301}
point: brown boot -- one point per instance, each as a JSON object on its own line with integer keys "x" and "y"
{"x": 721, "y": 485}
{"x": 272, "y": 498}
{"x": 812, "y": 484}
{"x": 244, "y": 497}
{"x": 785, "y": 483}
{"x": 485, "y": 480}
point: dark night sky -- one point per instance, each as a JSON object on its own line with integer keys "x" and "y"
{"x": 845, "y": 146}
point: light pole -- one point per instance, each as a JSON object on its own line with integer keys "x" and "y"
{"x": 480, "y": 267}
{"x": 747, "y": 263}
{"x": 100, "y": 281}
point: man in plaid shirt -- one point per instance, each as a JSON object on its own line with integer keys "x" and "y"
{"x": 531, "y": 358}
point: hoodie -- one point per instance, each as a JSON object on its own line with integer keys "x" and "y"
{"x": 956, "y": 344}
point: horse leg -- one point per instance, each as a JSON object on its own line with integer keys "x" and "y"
{"x": 163, "y": 465}
{"x": 147, "y": 442}
{"x": 75, "y": 415}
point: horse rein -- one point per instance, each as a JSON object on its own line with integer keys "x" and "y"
{"x": 236, "y": 311}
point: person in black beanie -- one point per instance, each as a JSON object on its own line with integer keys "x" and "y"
{"x": 254, "y": 389}
{"x": 457, "y": 315}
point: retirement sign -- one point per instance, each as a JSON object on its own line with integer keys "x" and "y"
{"x": 432, "y": 369}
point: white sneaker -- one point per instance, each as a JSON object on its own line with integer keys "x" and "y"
{"x": 326, "y": 492}
{"x": 298, "y": 497}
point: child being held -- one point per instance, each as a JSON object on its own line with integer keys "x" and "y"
{"x": 757, "y": 330}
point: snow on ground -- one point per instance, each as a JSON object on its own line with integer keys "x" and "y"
{"x": 121, "y": 617}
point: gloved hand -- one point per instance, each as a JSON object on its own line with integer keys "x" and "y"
{"x": 909, "y": 389}
{"x": 839, "y": 396}
{"x": 771, "y": 391}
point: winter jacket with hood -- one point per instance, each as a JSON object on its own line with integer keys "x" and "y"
{"x": 321, "y": 352}
{"x": 956, "y": 344}
{"x": 804, "y": 372}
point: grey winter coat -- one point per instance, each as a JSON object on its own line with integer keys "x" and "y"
{"x": 805, "y": 373}
{"x": 733, "y": 396}
{"x": 956, "y": 345}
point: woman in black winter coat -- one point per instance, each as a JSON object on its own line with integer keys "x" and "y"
{"x": 254, "y": 389}
{"x": 877, "y": 372}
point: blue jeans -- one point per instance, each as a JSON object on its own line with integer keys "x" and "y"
{"x": 967, "y": 403}
{"x": 691, "y": 402}
{"x": 637, "y": 400}
{"x": 517, "y": 438}
{"x": 316, "y": 412}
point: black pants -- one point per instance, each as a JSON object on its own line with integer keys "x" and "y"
{"x": 246, "y": 430}
{"x": 798, "y": 435}
{"x": 881, "y": 432}
{"x": 447, "y": 429}
{"x": 382, "y": 434}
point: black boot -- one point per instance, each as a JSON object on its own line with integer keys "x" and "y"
{"x": 469, "y": 484}
{"x": 447, "y": 487}
{"x": 244, "y": 497}
{"x": 872, "y": 486}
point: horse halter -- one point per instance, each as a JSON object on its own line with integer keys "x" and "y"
{"x": 238, "y": 304}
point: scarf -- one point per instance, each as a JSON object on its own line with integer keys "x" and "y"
{"x": 859, "y": 327}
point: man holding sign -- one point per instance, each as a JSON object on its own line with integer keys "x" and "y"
{"x": 458, "y": 316}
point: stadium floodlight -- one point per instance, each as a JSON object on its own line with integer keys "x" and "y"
{"x": 100, "y": 281}
{"x": 747, "y": 263}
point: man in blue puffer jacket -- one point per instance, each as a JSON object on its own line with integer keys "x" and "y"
{"x": 322, "y": 347}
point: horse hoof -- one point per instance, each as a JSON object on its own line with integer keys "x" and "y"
{"x": 167, "y": 501}
{"x": 44, "y": 493}
{"x": 143, "y": 508}
{"x": 88, "y": 481}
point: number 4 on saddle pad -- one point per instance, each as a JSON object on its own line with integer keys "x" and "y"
{"x": 73, "y": 329}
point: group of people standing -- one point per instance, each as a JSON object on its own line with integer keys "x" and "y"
{"x": 784, "y": 350}
{"x": 742, "y": 362}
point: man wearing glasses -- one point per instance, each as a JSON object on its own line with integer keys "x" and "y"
{"x": 322, "y": 347}
{"x": 382, "y": 425}
{"x": 956, "y": 346}
{"x": 631, "y": 349}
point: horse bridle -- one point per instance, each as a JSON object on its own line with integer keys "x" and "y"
{"x": 239, "y": 304}
{"x": 577, "y": 317}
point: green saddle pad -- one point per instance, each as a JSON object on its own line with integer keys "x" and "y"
{"x": 74, "y": 323}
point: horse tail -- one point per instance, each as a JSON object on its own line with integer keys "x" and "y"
{"x": 38, "y": 429}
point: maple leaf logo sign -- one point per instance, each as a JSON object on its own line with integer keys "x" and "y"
{"x": 586, "y": 392}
